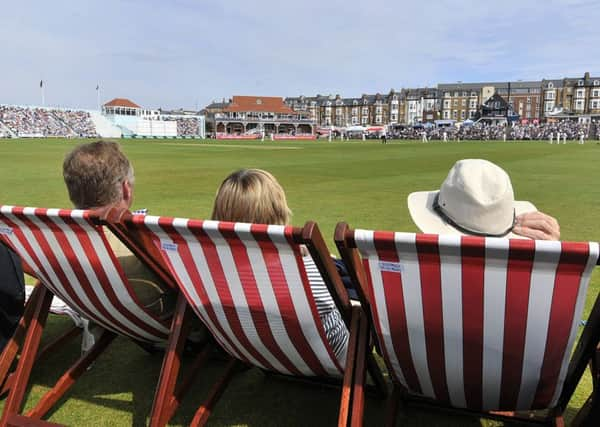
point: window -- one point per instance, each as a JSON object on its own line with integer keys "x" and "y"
{"x": 550, "y": 85}
{"x": 378, "y": 110}
{"x": 596, "y": 93}
{"x": 454, "y": 114}
{"x": 455, "y": 93}
{"x": 548, "y": 106}
{"x": 596, "y": 82}
{"x": 446, "y": 114}
{"x": 473, "y": 103}
{"x": 456, "y": 102}
{"x": 354, "y": 120}
{"x": 471, "y": 114}
{"x": 446, "y": 103}
{"x": 462, "y": 115}
{"x": 355, "y": 102}
{"x": 580, "y": 93}
{"x": 446, "y": 94}
{"x": 550, "y": 94}
{"x": 580, "y": 83}
{"x": 393, "y": 117}
{"x": 364, "y": 120}
{"x": 365, "y": 110}
{"x": 579, "y": 104}
{"x": 464, "y": 102}
{"x": 378, "y": 119}
{"x": 473, "y": 93}
{"x": 594, "y": 105}
{"x": 328, "y": 111}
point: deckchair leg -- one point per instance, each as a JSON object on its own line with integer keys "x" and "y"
{"x": 12, "y": 347}
{"x": 39, "y": 314}
{"x": 346, "y": 400}
{"x": 21, "y": 421}
{"x": 180, "y": 328}
{"x": 360, "y": 373}
{"x": 201, "y": 416}
{"x": 57, "y": 342}
{"x": 590, "y": 411}
{"x": 68, "y": 379}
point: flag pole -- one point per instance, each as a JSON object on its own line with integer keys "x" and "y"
{"x": 98, "y": 96}
{"x": 42, "y": 93}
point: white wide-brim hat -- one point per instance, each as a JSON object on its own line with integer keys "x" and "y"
{"x": 476, "y": 198}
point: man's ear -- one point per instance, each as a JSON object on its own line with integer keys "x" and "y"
{"x": 127, "y": 190}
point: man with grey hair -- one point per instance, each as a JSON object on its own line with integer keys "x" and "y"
{"x": 99, "y": 177}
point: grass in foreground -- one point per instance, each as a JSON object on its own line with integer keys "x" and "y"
{"x": 363, "y": 183}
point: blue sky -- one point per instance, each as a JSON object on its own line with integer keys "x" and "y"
{"x": 186, "y": 53}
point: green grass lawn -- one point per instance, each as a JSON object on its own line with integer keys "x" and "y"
{"x": 363, "y": 183}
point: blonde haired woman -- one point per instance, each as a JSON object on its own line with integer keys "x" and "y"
{"x": 255, "y": 196}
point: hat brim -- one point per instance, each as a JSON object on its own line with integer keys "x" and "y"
{"x": 420, "y": 206}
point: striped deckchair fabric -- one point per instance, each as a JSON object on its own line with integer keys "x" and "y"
{"x": 249, "y": 285}
{"x": 68, "y": 252}
{"x": 476, "y": 323}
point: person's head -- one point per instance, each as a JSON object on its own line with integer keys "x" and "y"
{"x": 251, "y": 195}
{"x": 476, "y": 198}
{"x": 98, "y": 176}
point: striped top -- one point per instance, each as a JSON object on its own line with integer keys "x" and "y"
{"x": 479, "y": 323}
{"x": 335, "y": 329}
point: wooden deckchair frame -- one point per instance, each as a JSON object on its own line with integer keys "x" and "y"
{"x": 587, "y": 350}
{"x": 168, "y": 395}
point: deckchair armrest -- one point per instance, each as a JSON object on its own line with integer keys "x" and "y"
{"x": 117, "y": 222}
{"x": 313, "y": 239}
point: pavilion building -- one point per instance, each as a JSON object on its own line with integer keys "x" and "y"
{"x": 253, "y": 115}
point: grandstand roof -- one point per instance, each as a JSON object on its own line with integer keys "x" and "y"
{"x": 121, "y": 102}
{"x": 273, "y": 104}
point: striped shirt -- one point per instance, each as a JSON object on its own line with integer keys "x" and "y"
{"x": 336, "y": 331}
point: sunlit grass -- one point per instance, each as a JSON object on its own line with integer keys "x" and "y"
{"x": 363, "y": 183}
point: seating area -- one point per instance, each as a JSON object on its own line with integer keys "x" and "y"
{"x": 480, "y": 325}
{"x": 187, "y": 127}
{"x": 43, "y": 122}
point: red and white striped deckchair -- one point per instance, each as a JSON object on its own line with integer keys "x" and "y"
{"x": 481, "y": 324}
{"x": 67, "y": 251}
{"x": 248, "y": 285}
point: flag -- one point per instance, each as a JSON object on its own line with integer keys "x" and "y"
{"x": 41, "y": 83}
{"x": 97, "y": 87}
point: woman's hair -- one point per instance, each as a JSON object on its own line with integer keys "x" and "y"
{"x": 251, "y": 195}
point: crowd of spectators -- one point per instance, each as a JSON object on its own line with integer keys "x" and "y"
{"x": 44, "y": 122}
{"x": 187, "y": 127}
{"x": 79, "y": 121}
{"x": 570, "y": 130}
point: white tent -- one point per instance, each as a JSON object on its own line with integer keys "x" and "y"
{"x": 356, "y": 128}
